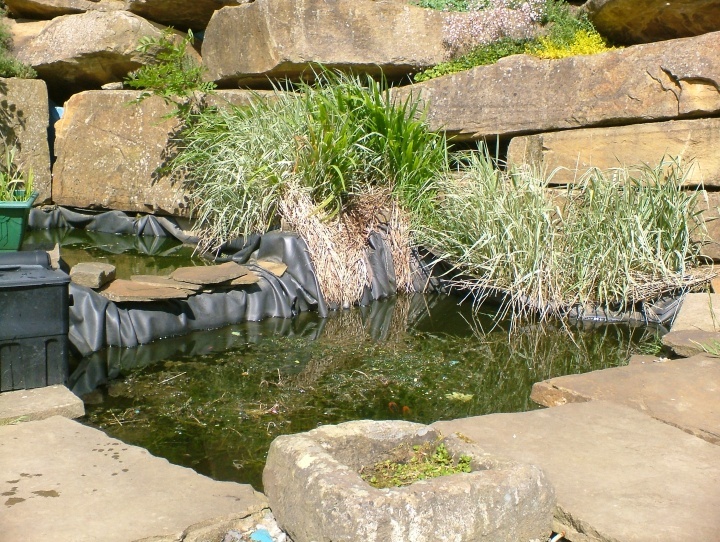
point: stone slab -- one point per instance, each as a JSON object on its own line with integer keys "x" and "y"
{"x": 690, "y": 343}
{"x": 619, "y": 475}
{"x": 699, "y": 312}
{"x": 645, "y": 83}
{"x": 127, "y": 290}
{"x": 276, "y": 268}
{"x": 576, "y": 151}
{"x": 642, "y": 21}
{"x": 38, "y": 404}
{"x": 92, "y": 274}
{"x": 165, "y": 281}
{"x": 60, "y": 480}
{"x": 210, "y": 274}
{"x": 684, "y": 393}
{"x": 246, "y": 280}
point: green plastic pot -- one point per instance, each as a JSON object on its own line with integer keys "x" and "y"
{"x": 13, "y": 221}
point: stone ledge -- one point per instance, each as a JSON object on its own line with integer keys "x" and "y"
{"x": 38, "y": 404}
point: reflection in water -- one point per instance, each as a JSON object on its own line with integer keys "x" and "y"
{"x": 214, "y": 400}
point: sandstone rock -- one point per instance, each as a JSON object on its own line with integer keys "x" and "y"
{"x": 619, "y": 475}
{"x": 23, "y": 31}
{"x": 92, "y": 274}
{"x": 699, "y": 312}
{"x": 522, "y": 94}
{"x": 682, "y": 393}
{"x": 193, "y": 14}
{"x": 210, "y": 274}
{"x": 108, "y": 152}
{"x": 49, "y": 9}
{"x": 39, "y": 404}
{"x": 248, "y": 44}
{"x": 276, "y": 268}
{"x": 575, "y": 151}
{"x": 87, "y": 50}
{"x": 165, "y": 281}
{"x": 690, "y": 343}
{"x": 708, "y": 203}
{"x": 315, "y": 491}
{"x": 643, "y": 21}
{"x": 121, "y": 290}
{"x": 245, "y": 280}
{"x": 24, "y": 121}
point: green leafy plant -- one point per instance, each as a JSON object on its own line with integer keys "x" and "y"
{"x": 171, "y": 73}
{"x": 337, "y": 140}
{"x": 444, "y": 5}
{"x": 429, "y": 460}
{"x": 611, "y": 239}
{"x": 14, "y": 185}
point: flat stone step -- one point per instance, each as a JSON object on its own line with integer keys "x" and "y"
{"x": 38, "y": 404}
{"x": 63, "y": 481}
{"x": 699, "y": 312}
{"x": 619, "y": 475}
{"x": 684, "y": 393}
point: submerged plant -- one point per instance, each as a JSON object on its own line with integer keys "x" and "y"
{"x": 609, "y": 240}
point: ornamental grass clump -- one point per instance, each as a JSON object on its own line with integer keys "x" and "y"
{"x": 610, "y": 240}
{"x": 325, "y": 158}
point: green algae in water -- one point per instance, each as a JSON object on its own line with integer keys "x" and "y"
{"x": 217, "y": 405}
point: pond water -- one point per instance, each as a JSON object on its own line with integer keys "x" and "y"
{"x": 214, "y": 400}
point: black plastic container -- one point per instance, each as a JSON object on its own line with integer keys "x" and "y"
{"x": 34, "y": 321}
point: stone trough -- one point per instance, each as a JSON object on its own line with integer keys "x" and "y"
{"x": 315, "y": 490}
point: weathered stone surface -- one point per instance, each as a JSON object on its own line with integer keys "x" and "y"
{"x": 643, "y": 21}
{"x": 276, "y": 268}
{"x": 690, "y": 343}
{"x": 165, "y": 281}
{"x": 180, "y": 14}
{"x": 92, "y": 274}
{"x": 684, "y": 393}
{"x": 49, "y": 9}
{"x": 210, "y": 274}
{"x": 61, "y": 480}
{"x": 246, "y": 280}
{"x": 312, "y": 482}
{"x": 87, "y": 50}
{"x": 108, "y": 151}
{"x": 708, "y": 203}
{"x": 699, "y": 312}
{"x": 575, "y": 151}
{"x": 248, "y": 44}
{"x": 522, "y": 94}
{"x": 39, "y": 404}
{"x": 23, "y": 31}
{"x": 618, "y": 473}
{"x": 24, "y": 121}
{"x": 121, "y": 290}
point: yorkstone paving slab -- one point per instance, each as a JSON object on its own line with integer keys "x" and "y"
{"x": 38, "y": 404}
{"x": 684, "y": 393}
{"x": 276, "y": 268}
{"x": 699, "y": 312}
{"x": 62, "y": 481}
{"x": 689, "y": 343}
{"x": 127, "y": 290}
{"x": 165, "y": 281}
{"x": 210, "y": 274}
{"x": 92, "y": 274}
{"x": 619, "y": 475}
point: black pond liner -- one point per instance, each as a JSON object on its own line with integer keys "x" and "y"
{"x": 96, "y": 323}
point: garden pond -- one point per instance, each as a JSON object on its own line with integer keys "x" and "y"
{"x": 214, "y": 400}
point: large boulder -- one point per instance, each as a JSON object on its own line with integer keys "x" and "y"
{"x": 23, "y": 31}
{"x": 180, "y": 14}
{"x": 267, "y": 39}
{"x": 522, "y": 94}
{"x": 49, "y": 9}
{"x": 24, "y": 122}
{"x": 695, "y": 142}
{"x": 85, "y": 51}
{"x": 313, "y": 483}
{"x": 108, "y": 152}
{"x": 644, "y": 21}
